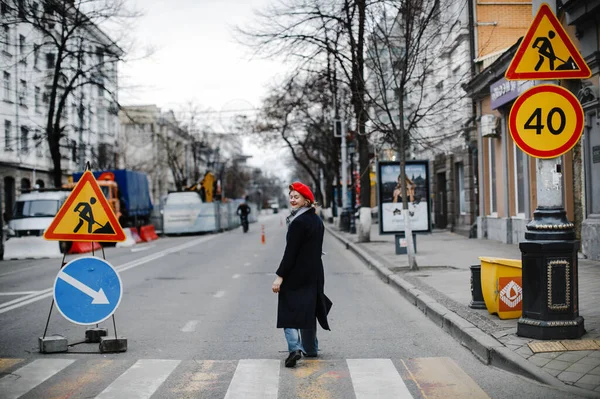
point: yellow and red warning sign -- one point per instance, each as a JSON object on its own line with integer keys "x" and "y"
{"x": 546, "y": 52}
{"x": 511, "y": 294}
{"x": 546, "y": 121}
{"x": 86, "y": 215}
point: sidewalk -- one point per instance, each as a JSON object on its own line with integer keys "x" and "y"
{"x": 441, "y": 289}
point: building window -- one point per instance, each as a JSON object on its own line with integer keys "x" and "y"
{"x": 8, "y": 135}
{"x": 40, "y": 183}
{"x": 74, "y": 150}
{"x": 38, "y": 143}
{"x": 50, "y": 60}
{"x": 22, "y": 45}
{"x": 460, "y": 183}
{"x": 6, "y": 38}
{"x": 25, "y": 184}
{"x": 23, "y": 93}
{"x": 21, "y": 8}
{"x": 519, "y": 181}
{"x": 36, "y": 55}
{"x": 7, "y": 86}
{"x": 492, "y": 169}
{"x": 24, "y": 140}
{"x": 36, "y": 99}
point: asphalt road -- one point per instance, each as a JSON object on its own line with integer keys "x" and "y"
{"x": 199, "y": 317}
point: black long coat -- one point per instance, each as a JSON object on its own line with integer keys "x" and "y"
{"x": 301, "y": 299}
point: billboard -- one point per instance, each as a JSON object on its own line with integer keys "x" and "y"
{"x": 391, "y": 214}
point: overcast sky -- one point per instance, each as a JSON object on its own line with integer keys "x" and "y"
{"x": 197, "y": 59}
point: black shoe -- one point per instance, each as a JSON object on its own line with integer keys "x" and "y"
{"x": 293, "y": 358}
{"x": 311, "y": 355}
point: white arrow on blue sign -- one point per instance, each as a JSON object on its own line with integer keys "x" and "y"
{"x": 87, "y": 290}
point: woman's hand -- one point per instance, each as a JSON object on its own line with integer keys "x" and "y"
{"x": 277, "y": 284}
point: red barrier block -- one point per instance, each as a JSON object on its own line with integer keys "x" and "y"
{"x": 148, "y": 233}
{"x": 78, "y": 247}
{"x": 136, "y": 235}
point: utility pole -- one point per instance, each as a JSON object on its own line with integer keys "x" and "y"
{"x": 81, "y": 149}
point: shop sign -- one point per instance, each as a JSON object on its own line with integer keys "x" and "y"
{"x": 504, "y": 91}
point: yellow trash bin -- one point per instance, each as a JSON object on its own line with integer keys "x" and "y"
{"x": 502, "y": 287}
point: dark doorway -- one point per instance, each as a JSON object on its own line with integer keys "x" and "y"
{"x": 9, "y": 197}
{"x": 441, "y": 202}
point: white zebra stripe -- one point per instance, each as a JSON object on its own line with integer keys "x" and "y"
{"x": 376, "y": 378}
{"x": 255, "y": 379}
{"x": 29, "y": 376}
{"x": 141, "y": 380}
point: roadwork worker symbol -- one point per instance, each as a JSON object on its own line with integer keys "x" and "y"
{"x": 546, "y": 52}
{"x": 86, "y": 215}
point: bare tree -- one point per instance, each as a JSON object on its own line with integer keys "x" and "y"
{"x": 301, "y": 114}
{"x": 321, "y": 33}
{"x": 78, "y": 54}
{"x": 414, "y": 101}
{"x": 197, "y": 121}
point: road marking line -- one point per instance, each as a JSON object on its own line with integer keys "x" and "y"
{"x": 235, "y": 276}
{"x": 190, "y": 326}
{"x": 18, "y": 293}
{"x": 441, "y": 377}
{"x": 142, "y": 248}
{"x": 219, "y": 294}
{"x": 31, "y": 375}
{"x": 20, "y": 270}
{"x": 141, "y": 380}
{"x": 376, "y": 378}
{"x": 255, "y": 379}
{"x": 247, "y": 264}
{"x": 17, "y": 303}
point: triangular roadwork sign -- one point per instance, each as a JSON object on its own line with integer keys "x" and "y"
{"x": 85, "y": 216}
{"x": 546, "y": 52}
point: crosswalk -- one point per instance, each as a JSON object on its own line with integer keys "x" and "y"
{"x": 103, "y": 378}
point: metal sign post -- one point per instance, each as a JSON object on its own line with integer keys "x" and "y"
{"x": 87, "y": 290}
{"x": 545, "y": 122}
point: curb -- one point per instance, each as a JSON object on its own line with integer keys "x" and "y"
{"x": 486, "y": 348}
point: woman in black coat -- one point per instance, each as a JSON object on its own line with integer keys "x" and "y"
{"x": 300, "y": 278}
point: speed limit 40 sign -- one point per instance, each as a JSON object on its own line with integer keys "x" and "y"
{"x": 546, "y": 121}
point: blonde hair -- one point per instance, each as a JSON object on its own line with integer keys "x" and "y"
{"x": 308, "y": 203}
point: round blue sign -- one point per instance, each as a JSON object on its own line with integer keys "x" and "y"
{"x": 87, "y": 290}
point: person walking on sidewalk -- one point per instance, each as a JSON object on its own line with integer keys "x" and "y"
{"x": 300, "y": 278}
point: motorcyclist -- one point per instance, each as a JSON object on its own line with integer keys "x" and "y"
{"x": 243, "y": 211}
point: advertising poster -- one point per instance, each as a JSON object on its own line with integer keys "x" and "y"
{"x": 391, "y": 214}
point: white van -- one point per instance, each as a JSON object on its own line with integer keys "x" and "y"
{"x": 33, "y": 213}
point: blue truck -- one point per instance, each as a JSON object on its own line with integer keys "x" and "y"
{"x": 127, "y": 192}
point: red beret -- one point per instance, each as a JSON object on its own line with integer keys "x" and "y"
{"x": 303, "y": 190}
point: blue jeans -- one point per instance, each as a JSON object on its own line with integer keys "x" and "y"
{"x": 304, "y": 340}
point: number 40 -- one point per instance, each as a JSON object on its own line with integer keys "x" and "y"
{"x": 535, "y": 121}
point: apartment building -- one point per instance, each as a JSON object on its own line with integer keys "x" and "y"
{"x": 89, "y": 120}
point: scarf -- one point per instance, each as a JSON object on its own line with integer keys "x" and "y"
{"x": 294, "y": 213}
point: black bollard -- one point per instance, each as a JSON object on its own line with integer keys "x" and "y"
{"x": 477, "y": 301}
{"x": 550, "y": 281}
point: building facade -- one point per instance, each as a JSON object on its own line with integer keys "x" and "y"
{"x": 582, "y": 19}
{"x": 508, "y": 182}
{"x": 89, "y": 119}
{"x": 152, "y": 141}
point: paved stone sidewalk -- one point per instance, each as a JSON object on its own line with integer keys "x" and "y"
{"x": 443, "y": 278}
